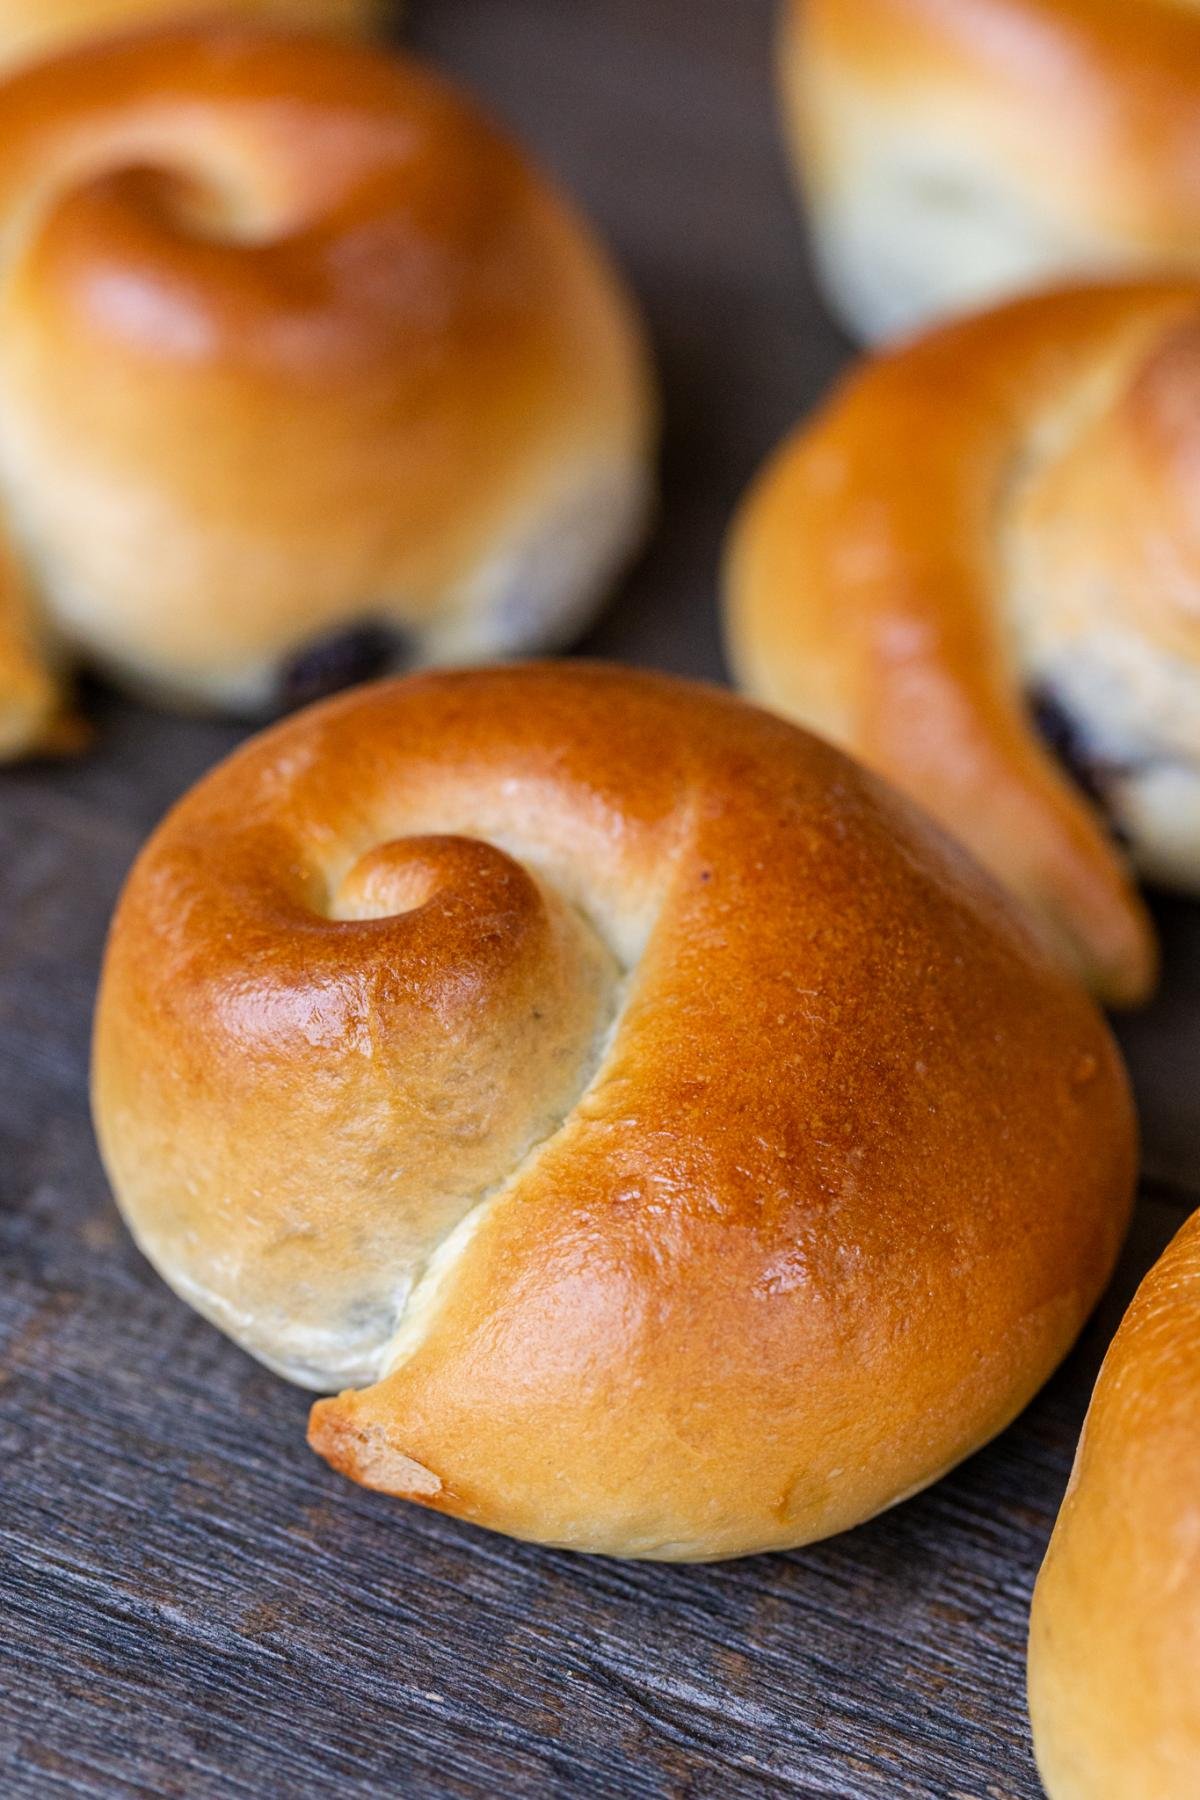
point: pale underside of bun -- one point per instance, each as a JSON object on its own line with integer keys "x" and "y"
{"x": 299, "y": 360}
{"x": 1114, "y": 1648}
{"x": 954, "y": 155}
{"x": 978, "y": 568}
{"x": 673, "y": 1145}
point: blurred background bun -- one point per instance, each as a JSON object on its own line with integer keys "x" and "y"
{"x": 34, "y": 28}
{"x": 302, "y": 366}
{"x": 956, "y": 152}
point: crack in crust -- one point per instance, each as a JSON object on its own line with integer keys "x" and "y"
{"x": 662, "y": 1119}
{"x": 432, "y": 1281}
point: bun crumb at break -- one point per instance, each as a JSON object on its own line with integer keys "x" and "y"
{"x": 655, "y": 1136}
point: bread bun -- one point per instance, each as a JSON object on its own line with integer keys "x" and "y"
{"x": 33, "y": 28}
{"x": 957, "y": 152}
{"x": 295, "y": 346}
{"x": 675, "y": 1145}
{"x": 1114, "y": 1645}
{"x": 990, "y": 529}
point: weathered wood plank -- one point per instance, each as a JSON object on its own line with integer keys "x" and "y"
{"x": 191, "y": 1604}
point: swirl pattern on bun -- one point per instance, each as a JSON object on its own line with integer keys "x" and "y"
{"x": 978, "y": 568}
{"x": 671, "y": 1144}
{"x": 300, "y": 363}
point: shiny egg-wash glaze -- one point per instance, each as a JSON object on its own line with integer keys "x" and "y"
{"x": 991, "y": 529}
{"x": 292, "y": 341}
{"x": 668, "y": 1140}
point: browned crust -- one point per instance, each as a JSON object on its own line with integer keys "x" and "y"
{"x": 36, "y": 28}
{"x": 293, "y": 337}
{"x": 849, "y": 1179}
{"x": 868, "y": 567}
{"x": 1095, "y": 103}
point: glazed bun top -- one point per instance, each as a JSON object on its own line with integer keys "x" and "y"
{"x": 693, "y": 1147}
{"x": 294, "y": 342}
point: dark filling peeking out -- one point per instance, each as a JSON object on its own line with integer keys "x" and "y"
{"x": 1067, "y": 739}
{"x": 337, "y": 661}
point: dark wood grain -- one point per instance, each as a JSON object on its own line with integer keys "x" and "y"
{"x": 191, "y": 1603}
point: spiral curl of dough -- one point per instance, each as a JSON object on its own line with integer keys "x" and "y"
{"x": 999, "y": 512}
{"x": 1114, "y": 1648}
{"x": 690, "y": 1148}
{"x": 292, "y": 341}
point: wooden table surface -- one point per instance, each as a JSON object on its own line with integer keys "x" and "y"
{"x": 190, "y": 1603}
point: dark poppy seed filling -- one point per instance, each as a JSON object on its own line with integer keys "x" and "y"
{"x": 338, "y": 661}
{"x": 1067, "y": 738}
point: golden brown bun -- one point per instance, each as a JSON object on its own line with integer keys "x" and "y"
{"x": 682, "y": 1146}
{"x": 293, "y": 342}
{"x": 995, "y": 522}
{"x": 1114, "y": 1646}
{"x": 957, "y": 152}
{"x": 33, "y": 28}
